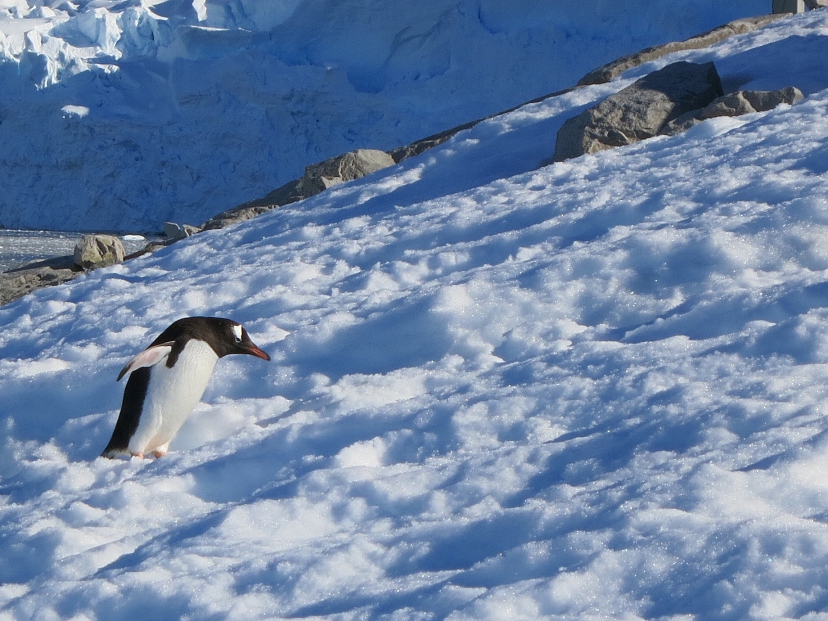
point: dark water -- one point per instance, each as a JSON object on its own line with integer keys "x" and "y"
{"x": 20, "y": 247}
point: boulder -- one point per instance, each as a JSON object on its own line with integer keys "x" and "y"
{"x": 762, "y": 101}
{"x": 346, "y": 167}
{"x": 734, "y": 104}
{"x": 94, "y": 251}
{"x": 640, "y": 110}
{"x": 175, "y": 231}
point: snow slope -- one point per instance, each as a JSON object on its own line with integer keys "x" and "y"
{"x": 123, "y": 114}
{"x": 595, "y": 389}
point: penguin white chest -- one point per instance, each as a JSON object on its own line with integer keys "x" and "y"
{"x": 172, "y": 394}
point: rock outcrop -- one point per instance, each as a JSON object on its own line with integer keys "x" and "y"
{"x": 734, "y": 104}
{"x": 18, "y": 282}
{"x": 285, "y": 195}
{"x": 612, "y": 70}
{"x": 317, "y": 177}
{"x": 640, "y": 110}
{"x": 95, "y": 251}
{"x": 346, "y": 167}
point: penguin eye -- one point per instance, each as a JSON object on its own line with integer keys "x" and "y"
{"x": 237, "y": 333}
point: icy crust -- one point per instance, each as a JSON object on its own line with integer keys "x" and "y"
{"x": 195, "y": 107}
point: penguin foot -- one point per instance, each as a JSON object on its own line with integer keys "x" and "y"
{"x": 158, "y": 454}
{"x": 139, "y": 455}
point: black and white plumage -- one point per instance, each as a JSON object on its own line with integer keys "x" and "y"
{"x": 167, "y": 380}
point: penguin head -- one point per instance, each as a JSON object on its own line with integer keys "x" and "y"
{"x": 224, "y": 336}
{"x": 230, "y": 337}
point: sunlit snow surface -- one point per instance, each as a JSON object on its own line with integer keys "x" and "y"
{"x": 595, "y": 389}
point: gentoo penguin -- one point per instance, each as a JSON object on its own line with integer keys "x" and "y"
{"x": 167, "y": 380}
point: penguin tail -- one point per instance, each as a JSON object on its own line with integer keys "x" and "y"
{"x": 111, "y": 452}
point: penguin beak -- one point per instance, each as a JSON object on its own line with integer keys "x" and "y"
{"x": 255, "y": 351}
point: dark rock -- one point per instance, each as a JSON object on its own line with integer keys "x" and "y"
{"x": 640, "y": 110}
{"x": 734, "y": 104}
{"x": 95, "y": 251}
{"x": 762, "y": 101}
{"x": 149, "y": 249}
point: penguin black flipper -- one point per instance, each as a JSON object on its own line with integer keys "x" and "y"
{"x": 134, "y": 395}
{"x": 131, "y": 406}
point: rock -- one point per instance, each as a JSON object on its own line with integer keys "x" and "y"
{"x": 95, "y": 251}
{"x": 424, "y": 144}
{"x": 149, "y": 249}
{"x": 22, "y": 280}
{"x": 317, "y": 177}
{"x": 734, "y": 104}
{"x": 640, "y": 110}
{"x": 415, "y": 148}
{"x": 285, "y": 195}
{"x": 175, "y": 231}
{"x": 762, "y": 101}
{"x": 612, "y": 70}
{"x": 347, "y": 167}
{"x": 788, "y": 6}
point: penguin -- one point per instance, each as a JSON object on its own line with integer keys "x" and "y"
{"x": 167, "y": 379}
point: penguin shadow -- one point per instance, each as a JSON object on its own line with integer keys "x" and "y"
{"x": 82, "y": 439}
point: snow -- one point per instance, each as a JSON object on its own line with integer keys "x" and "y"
{"x": 587, "y": 390}
{"x": 123, "y": 114}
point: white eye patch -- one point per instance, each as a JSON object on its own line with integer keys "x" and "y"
{"x": 237, "y": 332}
